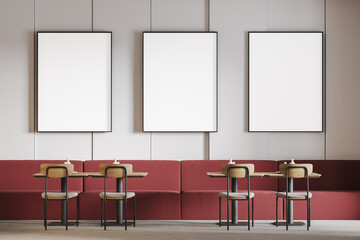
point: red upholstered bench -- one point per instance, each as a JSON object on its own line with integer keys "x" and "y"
{"x": 20, "y": 192}
{"x": 336, "y": 194}
{"x": 157, "y": 194}
{"x": 199, "y": 192}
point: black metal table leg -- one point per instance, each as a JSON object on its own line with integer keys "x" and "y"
{"x": 63, "y": 202}
{"x": 119, "y": 204}
{"x": 63, "y": 209}
{"x": 234, "y": 203}
{"x": 234, "y": 207}
{"x": 291, "y": 209}
{"x": 119, "y": 207}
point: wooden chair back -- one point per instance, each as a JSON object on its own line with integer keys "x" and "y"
{"x": 236, "y": 170}
{"x": 296, "y": 170}
{"x": 115, "y": 170}
{"x": 56, "y": 170}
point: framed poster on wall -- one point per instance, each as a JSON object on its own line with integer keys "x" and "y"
{"x": 74, "y": 81}
{"x": 285, "y": 81}
{"x": 180, "y": 81}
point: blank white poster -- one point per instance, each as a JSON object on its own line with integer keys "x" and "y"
{"x": 180, "y": 81}
{"x": 286, "y": 81}
{"x": 74, "y": 81}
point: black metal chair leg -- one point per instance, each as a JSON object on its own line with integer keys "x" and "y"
{"x": 101, "y": 213}
{"x": 307, "y": 208}
{"x": 104, "y": 214}
{"x": 287, "y": 214}
{"x": 66, "y": 215}
{"x": 134, "y": 211}
{"x": 45, "y": 214}
{"x": 309, "y": 212}
{"x": 227, "y": 220}
{"x": 125, "y": 214}
{"x": 252, "y": 209}
{"x": 249, "y": 213}
{"x": 77, "y": 211}
{"x": 219, "y": 211}
{"x": 277, "y": 208}
{"x": 284, "y": 208}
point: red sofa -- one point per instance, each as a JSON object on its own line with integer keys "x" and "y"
{"x": 157, "y": 194}
{"x": 336, "y": 194}
{"x": 180, "y": 190}
{"x": 20, "y": 192}
{"x": 199, "y": 192}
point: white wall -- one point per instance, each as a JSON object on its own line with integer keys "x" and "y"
{"x": 127, "y": 19}
{"x": 16, "y": 79}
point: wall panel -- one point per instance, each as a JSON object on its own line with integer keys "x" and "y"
{"x": 16, "y": 79}
{"x": 296, "y": 15}
{"x": 343, "y": 84}
{"x": 178, "y": 15}
{"x": 232, "y": 19}
{"x": 127, "y": 20}
{"x": 63, "y": 15}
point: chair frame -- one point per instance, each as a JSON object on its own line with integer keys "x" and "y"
{"x": 308, "y": 200}
{"x": 66, "y": 197}
{"x": 103, "y": 201}
{"x": 228, "y": 197}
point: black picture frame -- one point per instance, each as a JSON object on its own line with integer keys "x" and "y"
{"x": 143, "y": 82}
{"x": 323, "y": 93}
{"x": 37, "y": 83}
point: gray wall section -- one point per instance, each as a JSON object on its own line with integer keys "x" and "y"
{"x": 304, "y": 15}
{"x": 296, "y": 15}
{"x": 127, "y": 19}
{"x": 63, "y": 15}
{"x": 189, "y": 15}
{"x": 16, "y": 79}
{"x": 179, "y": 15}
{"x": 232, "y": 19}
{"x": 343, "y": 81}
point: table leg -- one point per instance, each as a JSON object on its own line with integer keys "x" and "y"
{"x": 291, "y": 208}
{"x": 63, "y": 202}
{"x": 63, "y": 208}
{"x": 119, "y": 205}
{"x": 234, "y": 203}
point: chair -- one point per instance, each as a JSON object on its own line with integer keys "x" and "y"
{"x": 295, "y": 171}
{"x": 59, "y": 171}
{"x": 237, "y": 171}
{"x": 115, "y": 171}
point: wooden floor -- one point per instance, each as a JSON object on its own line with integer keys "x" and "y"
{"x": 199, "y": 230}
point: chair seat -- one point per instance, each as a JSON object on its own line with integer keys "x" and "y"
{"x": 294, "y": 195}
{"x": 117, "y": 195}
{"x": 237, "y": 195}
{"x": 59, "y": 195}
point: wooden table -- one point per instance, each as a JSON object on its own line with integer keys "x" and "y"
{"x": 234, "y": 188}
{"x": 119, "y": 188}
{"x": 63, "y": 189}
{"x": 291, "y": 189}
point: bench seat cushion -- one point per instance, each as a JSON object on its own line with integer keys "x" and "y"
{"x": 204, "y": 205}
{"x": 330, "y": 205}
{"x": 150, "y": 205}
{"x": 28, "y": 205}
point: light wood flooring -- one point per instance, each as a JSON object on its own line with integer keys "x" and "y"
{"x": 172, "y": 230}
